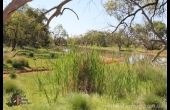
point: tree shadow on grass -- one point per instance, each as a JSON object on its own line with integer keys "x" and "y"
{"x": 24, "y": 69}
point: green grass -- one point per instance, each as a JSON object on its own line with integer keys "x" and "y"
{"x": 107, "y": 85}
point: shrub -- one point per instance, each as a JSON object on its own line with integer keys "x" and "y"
{"x": 16, "y": 63}
{"x": 80, "y": 102}
{"x": 52, "y": 55}
{"x": 7, "y": 59}
{"x": 153, "y": 101}
{"x": 12, "y": 75}
{"x": 31, "y": 55}
{"x": 161, "y": 89}
{"x": 21, "y": 61}
{"x": 11, "y": 87}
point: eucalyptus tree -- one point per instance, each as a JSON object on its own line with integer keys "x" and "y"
{"x": 20, "y": 33}
{"x": 147, "y": 38}
{"x": 60, "y": 35}
{"x": 118, "y": 39}
{"x": 15, "y": 28}
{"x": 127, "y": 10}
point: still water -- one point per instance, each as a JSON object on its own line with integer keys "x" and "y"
{"x": 131, "y": 57}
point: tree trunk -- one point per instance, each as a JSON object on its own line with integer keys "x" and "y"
{"x": 119, "y": 45}
{"x": 14, "y": 42}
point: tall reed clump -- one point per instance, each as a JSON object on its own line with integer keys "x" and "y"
{"x": 124, "y": 80}
{"x": 78, "y": 72}
{"x": 88, "y": 73}
{"x": 121, "y": 81}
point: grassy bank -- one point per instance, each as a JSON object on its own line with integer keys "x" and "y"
{"x": 81, "y": 80}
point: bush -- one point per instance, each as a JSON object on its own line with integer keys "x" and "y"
{"x": 161, "y": 89}
{"x": 20, "y": 62}
{"x": 80, "y": 102}
{"x": 7, "y": 59}
{"x": 13, "y": 75}
{"x": 11, "y": 87}
{"x": 153, "y": 101}
{"x": 52, "y": 55}
{"x": 31, "y": 55}
{"x": 16, "y": 63}
{"x": 23, "y": 61}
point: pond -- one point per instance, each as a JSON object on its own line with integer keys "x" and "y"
{"x": 132, "y": 57}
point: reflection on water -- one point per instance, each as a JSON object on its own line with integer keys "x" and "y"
{"x": 138, "y": 57}
{"x": 131, "y": 57}
{"x": 135, "y": 57}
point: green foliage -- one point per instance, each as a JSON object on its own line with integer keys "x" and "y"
{"x": 160, "y": 86}
{"x": 31, "y": 54}
{"x": 15, "y": 63}
{"x": 13, "y": 75}
{"x": 80, "y": 102}
{"x": 60, "y": 35}
{"x": 21, "y": 61}
{"x": 26, "y": 35}
{"x": 52, "y": 55}
{"x": 7, "y": 59}
{"x": 154, "y": 101}
{"x": 88, "y": 73}
{"x": 11, "y": 87}
{"x": 115, "y": 83}
{"x": 160, "y": 27}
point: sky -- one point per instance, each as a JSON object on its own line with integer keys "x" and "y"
{"x": 92, "y": 16}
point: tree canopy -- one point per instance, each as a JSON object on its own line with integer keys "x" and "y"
{"x": 122, "y": 10}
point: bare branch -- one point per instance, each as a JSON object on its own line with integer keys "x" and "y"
{"x": 163, "y": 4}
{"x": 95, "y": 5}
{"x": 110, "y": 25}
{"x": 70, "y": 10}
{"x": 133, "y": 14}
{"x": 155, "y": 9}
{"x": 155, "y": 57}
{"x": 132, "y": 20}
{"x": 12, "y": 7}
{"x": 87, "y": 5}
{"x": 150, "y": 22}
{"x": 55, "y": 14}
{"x": 44, "y": 15}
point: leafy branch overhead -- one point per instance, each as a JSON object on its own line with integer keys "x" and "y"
{"x": 15, "y": 4}
{"x": 124, "y": 10}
